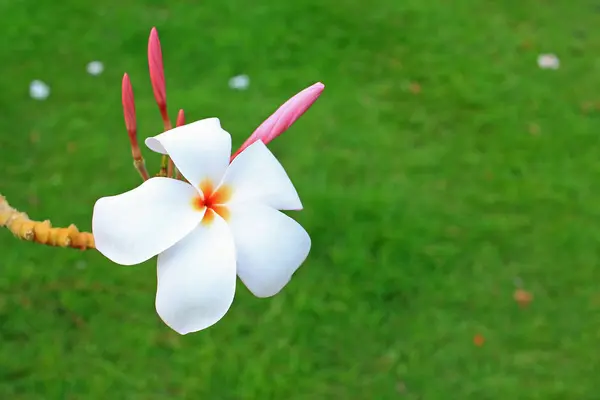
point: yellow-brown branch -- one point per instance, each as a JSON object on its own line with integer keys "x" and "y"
{"x": 42, "y": 232}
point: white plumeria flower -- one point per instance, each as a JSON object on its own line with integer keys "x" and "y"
{"x": 224, "y": 221}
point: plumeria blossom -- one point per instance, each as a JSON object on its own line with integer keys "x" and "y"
{"x": 225, "y": 221}
{"x": 208, "y": 215}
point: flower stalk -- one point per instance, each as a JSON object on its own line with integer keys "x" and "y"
{"x": 42, "y": 232}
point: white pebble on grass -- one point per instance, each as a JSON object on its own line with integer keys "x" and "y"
{"x": 548, "y": 61}
{"x": 95, "y": 68}
{"x": 39, "y": 90}
{"x": 239, "y": 82}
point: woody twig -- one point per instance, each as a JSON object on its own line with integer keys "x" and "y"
{"x": 42, "y": 232}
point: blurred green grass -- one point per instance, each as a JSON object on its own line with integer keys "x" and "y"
{"x": 424, "y": 208}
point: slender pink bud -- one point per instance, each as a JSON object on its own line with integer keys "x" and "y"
{"x": 129, "y": 111}
{"x": 180, "y": 118}
{"x": 130, "y": 123}
{"x": 157, "y": 75}
{"x": 284, "y": 117}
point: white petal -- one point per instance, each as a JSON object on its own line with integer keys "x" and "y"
{"x": 196, "y": 278}
{"x": 134, "y": 226}
{"x": 200, "y": 150}
{"x": 255, "y": 175}
{"x": 270, "y": 246}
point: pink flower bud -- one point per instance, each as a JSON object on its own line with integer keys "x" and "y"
{"x": 129, "y": 109}
{"x": 180, "y": 118}
{"x": 157, "y": 74}
{"x": 284, "y": 117}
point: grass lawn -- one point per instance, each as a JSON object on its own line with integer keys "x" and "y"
{"x": 440, "y": 171}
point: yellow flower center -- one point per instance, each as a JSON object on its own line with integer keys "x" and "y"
{"x": 213, "y": 201}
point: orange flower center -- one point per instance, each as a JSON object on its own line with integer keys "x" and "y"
{"x": 213, "y": 201}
